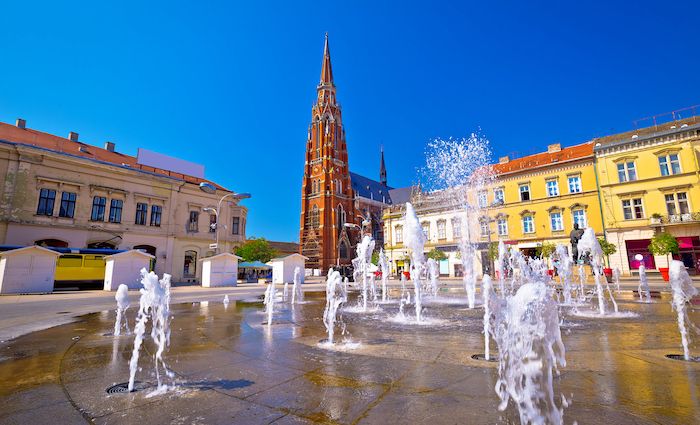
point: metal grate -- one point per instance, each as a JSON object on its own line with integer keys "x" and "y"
{"x": 482, "y": 358}
{"x": 682, "y": 358}
{"x": 124, "y": 387}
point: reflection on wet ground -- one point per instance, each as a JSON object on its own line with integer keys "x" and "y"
{"x": 230, "y": 368}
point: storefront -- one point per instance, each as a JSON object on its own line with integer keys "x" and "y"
{"x": 639, "y": 246}
{"x": 689, "y": 253}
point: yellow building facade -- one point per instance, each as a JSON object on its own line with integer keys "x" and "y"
{"x": 649, "y": 183}
{"x": 537, "y": 199}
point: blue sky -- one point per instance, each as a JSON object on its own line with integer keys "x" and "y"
{"x": 230, "y": 84}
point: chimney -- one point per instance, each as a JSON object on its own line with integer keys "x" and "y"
{"x": 503, "y": 159}
{"x": 109, "y": 146}
{"x": 554, "y": 147}
{"x": 73, "y": 136}
{"x": 21, "y": 123}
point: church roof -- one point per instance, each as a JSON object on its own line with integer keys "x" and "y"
{"x": 401, "y": 195}
{"x": 365, "y": 187}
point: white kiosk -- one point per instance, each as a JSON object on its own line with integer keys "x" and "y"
{"x": 283, "y": 268}
{"x": 27, "y": 270}
{"x": 125, "y": 267}
{"x": 220, "y": 270}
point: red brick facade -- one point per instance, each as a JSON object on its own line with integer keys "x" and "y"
{"x": 327, "y": 195}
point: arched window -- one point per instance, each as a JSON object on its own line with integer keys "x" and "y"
{"x": 340, "y": 217}
{"x": 189, "y": 268}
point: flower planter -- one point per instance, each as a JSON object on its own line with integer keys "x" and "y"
{"x": 664, "y": 273}
{"x": 608, "y": 274}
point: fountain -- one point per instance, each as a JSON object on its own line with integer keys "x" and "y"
{"x": 154, "y": 304}
{"x": 297, "y": 292}
{"x": 433, "y": 274}
{"x": 285, "y": 291}
{"x": 269, "y": 301}
{"x": 487, "y": 289}
{"x": 588, "y": 244}
{"x": 226, "y": 301}
{"x": 616, "y": 279}
{"x": 683, "y": 291}
{"x": 361, "y": 264}
{"x": 563, "y": 266}
{"x": 384, "y": 268}
{"x": 582, "y": 283}
{"x": 501, "y": 266}
{"x": 526, "y": 330}
{"x": 643, "y": 289}
{"x": 122, "y": 297}
{"x": 415, "y": 241}
{"x": 334, "y": 298}
{"x": 469, "y": 278}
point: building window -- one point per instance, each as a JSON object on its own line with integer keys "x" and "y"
{"x": 442, "y": 229}
{"x": 236, "y": 226}
{"x": 575, "y": 184}
{"x": 98, "y": 208}
{"x": 552, "y": 188}
{"x": 212, "y": 223}
{"x": 484, "y": 227}
{"x": 398, "y": 234}
{"x": 626, "y": 172}
{"x": 502, "y": 227}
{"x": 313, "y": 217}
{"x": 632, "y": 208}
{"x": 498, "y": 196}
{"x": 524, "y": 192}
{"x": 193, "y": 223}
{"x": 482, "y": 199}
{"x": 580, "y": 218}
{"x": 189, "y": 268}
{"x": 528, "y": 224}
{"x": 669, "y": 164}
{"x": 456, "y": 228}
{"x": 677, "y": 203}
{"x": 156, "y": 213}
{"x": 46, "y": 201}
{"x": 555, "y": 219}
{"x": 426, "y": 230}
{"x": 67, "y": 205}
{"x": 141, "y": 213}
{"x": 115, "y": 210}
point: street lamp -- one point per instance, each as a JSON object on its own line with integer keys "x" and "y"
{"x": 207, "y": 187}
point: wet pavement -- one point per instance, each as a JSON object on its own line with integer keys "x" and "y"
{"x": 230, "y": 367}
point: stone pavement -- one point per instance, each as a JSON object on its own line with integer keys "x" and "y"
{"x": 230, "y": 367}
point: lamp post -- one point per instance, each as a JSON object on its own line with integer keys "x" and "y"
{"x": 209, "y": 188}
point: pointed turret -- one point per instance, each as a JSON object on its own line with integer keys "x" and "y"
{"x": 326, "y": 69}
{"x": 382, "y": 169}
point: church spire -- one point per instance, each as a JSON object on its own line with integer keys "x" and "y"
{"x": 326, "y": 70}
{"x": 382, "y": 169}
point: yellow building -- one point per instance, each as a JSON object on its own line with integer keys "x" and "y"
{"x": 537, "y": 199}
{"x": 650, "y": 182}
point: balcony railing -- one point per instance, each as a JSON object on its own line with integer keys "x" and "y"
{"x": 675, "y": 219}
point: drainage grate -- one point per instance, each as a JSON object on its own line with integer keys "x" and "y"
{"x": 482, "y": 358}
{"x": 682, "y": 358}
{"x": 124, "y": 387}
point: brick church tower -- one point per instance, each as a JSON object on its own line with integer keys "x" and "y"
{"x": 326, "y": 193}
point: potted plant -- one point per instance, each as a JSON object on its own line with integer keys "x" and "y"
{"x": 663, "y": 243}
{"x": 608, "y": 249}
{"x": 656, "y": 218}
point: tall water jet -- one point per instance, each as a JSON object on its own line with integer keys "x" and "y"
{"x": 285, "y": 290}
{"x": 361, "y": 266}
{"x": 563, "y": 266}
{"x": 683, "y": 291}
{"x": 501, "y": 266}
{"x": 297, "y": 292}
{"x": 154, "y": 304}
{"x": 487, "y": 289}
{"x": 122, "y": 297}
{"x": 226, "y": 301}
{"x": 582, "y": 283}
{"x": 643, "y": 289}
{"x": 334, "y": 298}
{"x": 414, "y": 240}
{"x": 345, "y": 289}
{"x": 616, "y": 278}
{"x": 588, "y": 244}
{"x": 433, "y": 274}
{"x": 468, "y": 277}
{"x": 269, "y": 301}
{"x": 528, "y": 336}
{"x": 384, "y": 269}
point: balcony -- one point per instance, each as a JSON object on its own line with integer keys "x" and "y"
{"x": 664, "y": 220}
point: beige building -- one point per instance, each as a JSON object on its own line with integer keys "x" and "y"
{"x": 63, "y": 192}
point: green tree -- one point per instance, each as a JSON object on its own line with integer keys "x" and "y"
{"x": 493, "y": 251}
{"x": 256, "y": 250}
{"x": 663, "y": 244}
{"x": 437, "y": 255}
{"x": 375, "y": 258}
{"x": 546, "y": 250}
